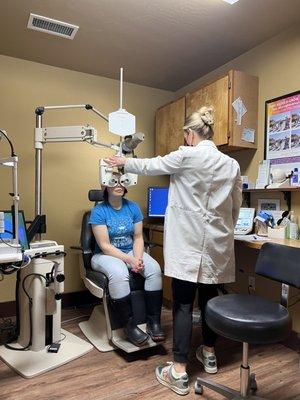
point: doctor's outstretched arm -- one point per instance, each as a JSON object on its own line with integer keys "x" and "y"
{"x": 166, "y": 165}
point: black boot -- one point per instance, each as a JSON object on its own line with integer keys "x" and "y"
{"x": 153, "y": 305}
{"x": 133, "y": 333}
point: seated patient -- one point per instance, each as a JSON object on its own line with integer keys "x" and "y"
{"x": 118, "y": 229}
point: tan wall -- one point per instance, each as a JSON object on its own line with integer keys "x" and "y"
{"x": 70, "y": 169}
{"x": 277, "y": 64}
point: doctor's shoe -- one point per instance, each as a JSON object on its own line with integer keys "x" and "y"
{"x": 165, "y": 377}
{"x": 208, "y": 360}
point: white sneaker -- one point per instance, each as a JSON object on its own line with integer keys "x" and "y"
{"x": 209, "y": 360}
{"x": 165, "y": 377}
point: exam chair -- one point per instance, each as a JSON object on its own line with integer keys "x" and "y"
{"x": 252, "y": 319}
{"x": 103, "y": 329}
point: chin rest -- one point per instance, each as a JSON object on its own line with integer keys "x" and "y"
{"x": 103, "y": 326}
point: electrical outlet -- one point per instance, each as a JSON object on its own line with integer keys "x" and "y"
{"x": 251, "y": 282}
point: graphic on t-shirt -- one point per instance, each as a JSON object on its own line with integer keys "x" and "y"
{"x": 120, "y": 232}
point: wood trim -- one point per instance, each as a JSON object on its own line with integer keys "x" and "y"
{"x": 73, "y": 299}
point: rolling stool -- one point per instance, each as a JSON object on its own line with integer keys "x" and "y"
{"x": 253, "y": 319}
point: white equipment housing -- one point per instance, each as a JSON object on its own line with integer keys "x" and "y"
{"x": 46, "y": 317}
{"x": 65, "y": 134}
{"x": 107, "y": 177}
{"x": 10, "y": 252}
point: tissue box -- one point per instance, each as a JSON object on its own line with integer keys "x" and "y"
{"x": 279, "y": 233}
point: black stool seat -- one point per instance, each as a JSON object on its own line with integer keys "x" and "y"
{"x": 249, "y": 319}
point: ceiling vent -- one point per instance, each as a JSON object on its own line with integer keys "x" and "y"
{"x": 52, "y": 26}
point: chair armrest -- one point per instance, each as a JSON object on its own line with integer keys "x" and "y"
{"x": 152, "y": 244}
{"x": 76, "y": 248}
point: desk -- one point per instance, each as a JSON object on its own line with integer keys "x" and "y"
{"x": 256, "y": 244}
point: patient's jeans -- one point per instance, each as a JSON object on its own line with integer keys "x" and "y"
{"x": 117, "y": 273}
{"x": 184, "y": 293}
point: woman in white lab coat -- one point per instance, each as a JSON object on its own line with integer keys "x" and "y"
{"x": 205, "y": 195}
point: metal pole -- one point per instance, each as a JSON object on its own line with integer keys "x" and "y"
{"x": 285, "y": 295}
{"x": 70, "y": 106}
{"x": 121, "y": 88}
{"x": 245, "y": 371}
{"x": 64, "y": 107}
{"x": 100, "y": 114}
{"x": 38, "y": 176}
{"x": 16, "y": 198}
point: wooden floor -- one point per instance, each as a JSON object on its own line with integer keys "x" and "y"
{"x": 115, "y": 376}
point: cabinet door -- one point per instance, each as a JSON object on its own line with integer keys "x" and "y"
{"x": 244, "y": 86}
{"x": 216, "y": 95}
{"x": 157, "y": 254}
{"x": 169, "y": 122}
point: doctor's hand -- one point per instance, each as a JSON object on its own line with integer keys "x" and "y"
{"x": 115, "y": 161}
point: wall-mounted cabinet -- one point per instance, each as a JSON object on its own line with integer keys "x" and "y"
{"x": 169, "y": 122}
{"x": 229, "y": 134}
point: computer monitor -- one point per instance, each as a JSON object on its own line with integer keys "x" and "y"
{"x": 8, "y": 226}
{"x": 157, "y": 201}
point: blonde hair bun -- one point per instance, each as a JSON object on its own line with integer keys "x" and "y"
{"x": 206, "y": 114}
{"x": 201, "y": 122}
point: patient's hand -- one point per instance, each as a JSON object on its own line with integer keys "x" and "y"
{"x": 136, "y": 264}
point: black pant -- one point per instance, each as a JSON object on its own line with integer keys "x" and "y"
{"x": 184, "y": 293}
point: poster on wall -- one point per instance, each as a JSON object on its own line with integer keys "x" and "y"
{"x": 282, "y": 131}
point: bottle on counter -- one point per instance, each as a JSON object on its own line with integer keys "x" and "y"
{"x": 293, "y": 226}
{"x": 295, "y": 177}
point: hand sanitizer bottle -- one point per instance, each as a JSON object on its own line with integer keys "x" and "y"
{"x": 293, "y": 228}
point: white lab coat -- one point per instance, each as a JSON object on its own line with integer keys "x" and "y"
{"x": 205, "y": 196}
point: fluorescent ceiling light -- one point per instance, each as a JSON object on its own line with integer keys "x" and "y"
{"x": 231, "y": 1}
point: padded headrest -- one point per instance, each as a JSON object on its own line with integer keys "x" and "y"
{"x": 96, "y": 195}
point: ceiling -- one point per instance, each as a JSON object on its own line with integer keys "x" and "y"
{"x": 161, "y": 43}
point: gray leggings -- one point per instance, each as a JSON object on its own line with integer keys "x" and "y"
{"x": 117, "y": 273}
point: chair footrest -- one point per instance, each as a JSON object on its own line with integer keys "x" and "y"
{"x": 120, "y": 341}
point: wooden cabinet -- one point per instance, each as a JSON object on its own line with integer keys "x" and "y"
{"x": 220, "y": 94}
{"x": 169, "y": 122}
{"x": 216, "y": 95}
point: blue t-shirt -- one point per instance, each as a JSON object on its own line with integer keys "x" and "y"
{"x": 120, "y": 223}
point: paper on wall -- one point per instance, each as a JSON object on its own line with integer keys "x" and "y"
{"x": 240, "y": 110}
{"x": 248, "y": 135}
{"x": 263, "y": 174}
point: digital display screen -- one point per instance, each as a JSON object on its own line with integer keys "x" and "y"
{"x": 245, "y": 219}
{"x": 8, "y": 226}
{"x": 157, "y": 201}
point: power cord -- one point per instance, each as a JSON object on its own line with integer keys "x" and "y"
{"x": 9, "y": 245}
{"x": 10, "y": 143}
{"x": 58, "y": 341}
{"x": 30, "y": 313}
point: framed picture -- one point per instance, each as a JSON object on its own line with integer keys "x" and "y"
{"x": 269, "y": 204}
{"x": 282, "y": 131}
